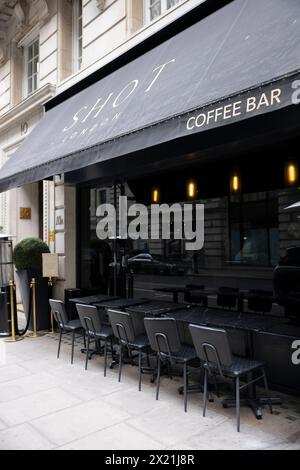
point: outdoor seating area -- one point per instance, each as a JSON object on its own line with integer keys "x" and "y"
{"x": 164, "y": 338}
{"x": 47, "y": 403}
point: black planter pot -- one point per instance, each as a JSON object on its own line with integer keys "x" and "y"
{"x": 42, "y": 298}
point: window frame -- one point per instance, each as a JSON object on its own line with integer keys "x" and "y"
{"x": 77, "y": 59}
{"x": 26, "y": 76}
{"x": 163, "y": 7}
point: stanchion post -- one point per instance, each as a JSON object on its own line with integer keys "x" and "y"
{"x": 12, "y": 310}
{"x": 13, "y": 338}
{"x": 50, "y": 284}
{"x": 33, "y": 286}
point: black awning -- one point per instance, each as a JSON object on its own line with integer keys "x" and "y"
{"x": 240, "y": 61}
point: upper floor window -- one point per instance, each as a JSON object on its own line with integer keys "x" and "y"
{"x": 32, "y": 59}
{"x": 77, "y": 34}
{"x": 155, "y": 8}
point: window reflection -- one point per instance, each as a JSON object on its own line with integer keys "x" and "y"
{"x": 239, "y": 230}
{"x": 254, "y": 229}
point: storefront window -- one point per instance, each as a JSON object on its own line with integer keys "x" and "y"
{"x": 145, "y": 257}
{"x": 254, "y": 234}
{"x": 240, "y": 230}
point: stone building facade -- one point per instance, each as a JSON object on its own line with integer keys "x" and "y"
{"x": 45, "y": 47}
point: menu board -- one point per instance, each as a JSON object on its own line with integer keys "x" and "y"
{"x": 50, "y": 265}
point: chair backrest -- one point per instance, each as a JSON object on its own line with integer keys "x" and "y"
{"x": 194, "y": 295}
{"x": 195, "y": 286}
{"x": 122, "y": 325}
{"x": 59, "y": 312}
{"x": 163, "y": 335}
{"x": 227, "y": 297}
{"x": 89, "y": 318}
{"x": 212, "y": 346}
{"x": 260, "y": 300}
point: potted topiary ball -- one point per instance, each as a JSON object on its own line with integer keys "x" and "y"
{"x": 27, "y": 258}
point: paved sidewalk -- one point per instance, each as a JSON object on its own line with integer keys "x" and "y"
{"x": 47, "y": 403}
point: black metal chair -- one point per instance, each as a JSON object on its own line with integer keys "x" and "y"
{"x": 95, "y": 331}
{"x": 214, "y": 351}
{"x": 123, "y": 329}
{"x": 227, "y": 297}
{"x": 164, "y": 340}
{"x": 65, "y": 325}
{"x": 194, "y": 294}
{"x": 260, "y": 301}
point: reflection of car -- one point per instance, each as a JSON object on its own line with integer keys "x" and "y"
{"x": 146, "y": 263}
{"x": 181, "y": 265}
{"x": 287, "y": 282}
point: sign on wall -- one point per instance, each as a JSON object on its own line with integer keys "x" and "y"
{"x": 25, "y": 213}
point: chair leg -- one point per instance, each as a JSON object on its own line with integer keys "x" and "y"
{"x": 216, "y": 386}
{"x": 267, "y": 389}
{"x": 158, "y": 376}
{"x": 205, "y": 392}
{"x": 59, "y": 343}
{"x": 120, "y": 361}
{"x": 105, "y": 358}
{"x": 185, "y": 380}
{"x": 87, "y": 352}
{"x": 238, "y": 406}
{"x": 170, "y": 371}
{"x": 112, "y": 349}
{"x": 84, "y": 339}
{"x": 73, "y": 345}
{"x": 140, "y": 370}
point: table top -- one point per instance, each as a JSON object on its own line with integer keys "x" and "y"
{"x": 212, "y": 291}
{"x": 228, "y": 319}
{"x": 288, "y": 330}
{"x": 216, "y": 291}
{"x": 174, "y": 289}
{"x": 156, "y": 307}
{"x": 204, "y": 290}
{"x": 93, "y": 299}
{"x": 121, "y": 303}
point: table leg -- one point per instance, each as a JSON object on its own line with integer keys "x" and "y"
{"x": 94, "y": 352}
{"x": 252, "y": 400}
{"x": 241, "y": 303}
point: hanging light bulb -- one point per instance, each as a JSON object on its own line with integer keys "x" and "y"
{"x": 191, "y": 189}
{"x": 155, "y": 195}
{"x": 291, "y": 173}
{"x": 235, "y": 182}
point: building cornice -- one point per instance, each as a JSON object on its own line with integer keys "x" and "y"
{"x": 31, "y": 104}
{"x": 29, "y": 16}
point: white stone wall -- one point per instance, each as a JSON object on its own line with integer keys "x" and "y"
{"x": 49, "y": 51}
{"x": 5, "y": 94}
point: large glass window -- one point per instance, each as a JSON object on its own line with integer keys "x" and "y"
{"x": 77, "y": 35}
{"x": 32, "y": 60}
{"x": 249, "y": 237}
{"x": 254, "y": 234}
{"x": 155, "y": 8}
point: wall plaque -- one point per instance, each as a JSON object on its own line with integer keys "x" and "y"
{"x": 25, "y": 213}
